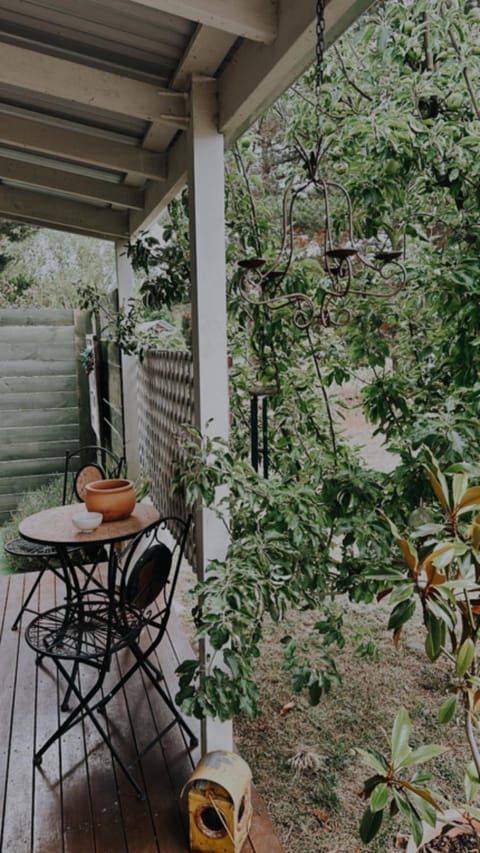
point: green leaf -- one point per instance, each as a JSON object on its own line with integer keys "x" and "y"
{"x": 465, "y": 656}
{"x": 417, "y": 829}
{"x": 471, "y": 782}
{"x": 374, "y": 761}
{"x": 379, "y": 797}
{"x": 401, "y": 613}
{"x": 423, "y": 753}
{"x": 447, "y": 710}
{"x": 459, "y": 485}
{"x": 370, "y": 824}
{"x": 400, "y": 737}
{"x": 435, "y": 638}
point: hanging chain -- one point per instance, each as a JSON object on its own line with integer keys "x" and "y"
{"x": 320, "y": 46}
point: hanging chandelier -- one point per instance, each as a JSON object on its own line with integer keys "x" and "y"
{"x": 346, "y": 268}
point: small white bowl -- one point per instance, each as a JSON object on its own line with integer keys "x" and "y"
{"x": 87, "y": 521}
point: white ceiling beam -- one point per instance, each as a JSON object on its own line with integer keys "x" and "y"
{"x": 157, "y": 195}
{"x": 81, "y": 146}
{"x": 207, "y": 48}
{"x": 254, "y": 79}
{"x": 80, "y": 84}
{"x": 47, "y": 211}
{"x": 258, "y": 74}
{"x": 252, "y": 19}
{"x": 35, "y": 175}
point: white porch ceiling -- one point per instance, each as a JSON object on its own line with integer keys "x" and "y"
{"x": 94, "y": 100}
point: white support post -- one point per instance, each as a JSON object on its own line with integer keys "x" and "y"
{"x": 209, "y": 324}
{"x": 126, "y": 285}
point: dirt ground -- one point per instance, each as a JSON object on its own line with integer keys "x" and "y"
{"x": 303, "y": 759}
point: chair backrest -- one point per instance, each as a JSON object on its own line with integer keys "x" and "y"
{"x": 152, "y": 566}
{"x": 86, "y": 464}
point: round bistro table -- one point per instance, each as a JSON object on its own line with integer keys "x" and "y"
{"x": 55, "y": 527}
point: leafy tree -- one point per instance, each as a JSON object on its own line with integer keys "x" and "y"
{"x": 399, "y": 128}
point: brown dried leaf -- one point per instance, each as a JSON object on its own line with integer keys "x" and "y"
{"x": 323, "y": 816}
{"x": 289, "y": 706}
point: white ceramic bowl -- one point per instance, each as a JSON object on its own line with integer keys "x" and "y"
{"x": 87, "y": 521}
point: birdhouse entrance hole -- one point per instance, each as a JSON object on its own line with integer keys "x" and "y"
{"x": 209, "y": 822}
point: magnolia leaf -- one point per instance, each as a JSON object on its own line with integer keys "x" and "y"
{"x": 400, "y": 737}
{"x": 379, "y": 797}
{"x": 441, "y": 610}
{"x": 470, "y": 498}
{"x": 393, "y": 527}
{"x": 370, "y": 824}
{"x": 420, "y": 792}
{"x": 374, "y": 761}
{"x": 465, "y": 656}
{"x": 459, "y": 486}
{"x": 441, "y": 557}
{"x": 400, "y": 614}
{"x": 435, "y": 638}
{"x": 423, "y": 753}
{"x": 440, "y": 489}
{"x": 416, "y": 825}
{"x": 428, "y": 812}
{"x": 476, "y": 532}
{"x": 447, "y": 710}
{"x": 409, "y": 553}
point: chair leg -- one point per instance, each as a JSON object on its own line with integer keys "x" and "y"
{"x": 77, "y": 715}
{"x": 27, "y": 600}
{"x": 177, "y": 719}
{"x": 158, "y": 674}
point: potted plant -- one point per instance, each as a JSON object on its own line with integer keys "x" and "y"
{"x": 440, "y": 573}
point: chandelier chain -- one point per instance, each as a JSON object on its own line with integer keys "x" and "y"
{"x": 319, "y": 52}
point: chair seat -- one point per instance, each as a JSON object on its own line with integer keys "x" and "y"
{"x": 79, "y": 631}
{"x": 21, "y": 548}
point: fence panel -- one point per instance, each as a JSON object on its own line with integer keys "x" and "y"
{"x": 39, "y": 399}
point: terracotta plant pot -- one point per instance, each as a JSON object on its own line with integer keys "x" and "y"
{"x": 115, "y": 499}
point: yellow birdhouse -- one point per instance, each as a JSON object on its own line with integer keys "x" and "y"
{"x": 219, "y": 803}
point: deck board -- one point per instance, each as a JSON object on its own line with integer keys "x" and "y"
{"x": 79, "y": 799}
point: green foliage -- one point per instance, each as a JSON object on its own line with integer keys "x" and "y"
{"x": 441, "y": 575}
{"x": 165, "y": 263}
{"x": 398, "y": 783}
{"x": 283, "y": 554}
{"x": 36, "y": 500}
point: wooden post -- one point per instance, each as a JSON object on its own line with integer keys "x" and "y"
{"x": 125, "y": 284}
{"x": 209, "y": 324}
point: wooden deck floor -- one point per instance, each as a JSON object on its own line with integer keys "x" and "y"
{"x": 79, "y": 800}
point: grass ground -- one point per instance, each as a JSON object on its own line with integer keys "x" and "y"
{"x": 318, "y": 810}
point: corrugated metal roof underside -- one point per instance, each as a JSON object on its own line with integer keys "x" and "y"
{"x": 15, "y": 101}
{"x": 107, "y": 34}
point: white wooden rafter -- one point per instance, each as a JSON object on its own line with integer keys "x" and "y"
{"x": 52, "y": 179}
{"x": 205, "y": 52}
{"x": 78, "y": 83}
{"x": 26, "y": 206}
{"x": 258, "y": 74}
{"x": 251, "y": 19}
{"x": 32, "y": 134}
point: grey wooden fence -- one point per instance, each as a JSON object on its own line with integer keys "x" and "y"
{"x": 39, "y": 398}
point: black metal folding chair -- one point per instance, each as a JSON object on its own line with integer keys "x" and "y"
{"x": 97, "y": 623}
{"x": 83, "y": 465}
{"x": 86, "y": 464}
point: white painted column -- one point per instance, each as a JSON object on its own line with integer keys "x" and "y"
{"x": 126, "y": 289}
{"x": 209, "y": 324}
